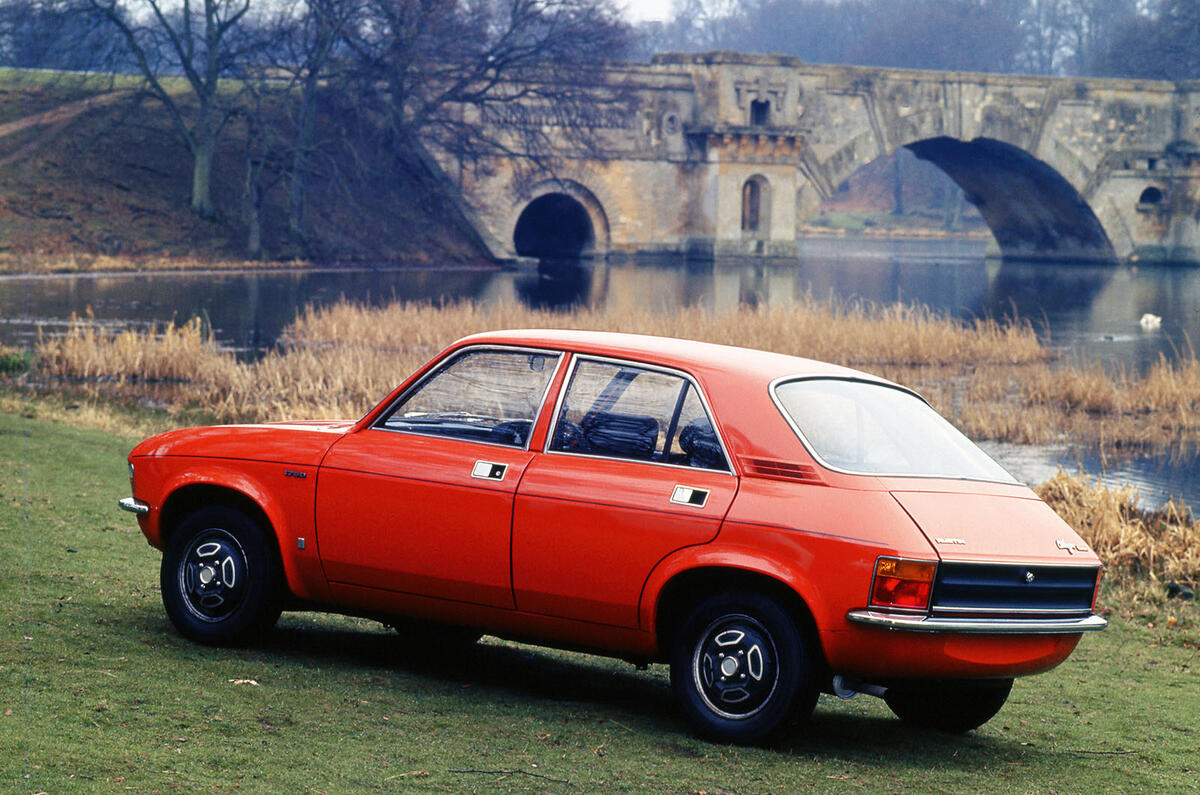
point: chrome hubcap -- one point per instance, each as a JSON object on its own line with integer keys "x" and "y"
{"x": 212, "y": 575}
{"x": 735, "y": 667}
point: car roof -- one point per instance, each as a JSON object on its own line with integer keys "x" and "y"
{"x": 689, "y": 355}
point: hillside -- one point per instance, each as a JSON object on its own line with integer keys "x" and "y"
{"x": 87, "y": 171}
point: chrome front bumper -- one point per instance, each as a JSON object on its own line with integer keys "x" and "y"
{"x": 994, "y": 626}
{"x": 134, "y": 506}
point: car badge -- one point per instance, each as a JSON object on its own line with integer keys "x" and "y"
{"x": 1070, "y": 548}
{"x": 949, "y": 541}
{"x": 1029, "y": 576}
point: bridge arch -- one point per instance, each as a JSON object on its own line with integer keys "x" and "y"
{"x": 1038, "y": 197}
{"x": 1032, "y": 209}
{"x": 562, "y": 219}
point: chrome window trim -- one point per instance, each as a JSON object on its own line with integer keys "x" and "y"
{"x": 576, "y": 358}
{"x": 983, "y": 626}
{"x": 559, "y": 357}
{"x": 788, "y": 379}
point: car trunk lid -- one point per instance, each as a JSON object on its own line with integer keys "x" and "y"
{"x": 990, "y": 527}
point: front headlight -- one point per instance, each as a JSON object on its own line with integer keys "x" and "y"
{"x": 131, "y": 479}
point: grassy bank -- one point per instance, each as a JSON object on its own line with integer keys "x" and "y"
{"x": 96, "y": 178}
{"x": 100, "y": 694}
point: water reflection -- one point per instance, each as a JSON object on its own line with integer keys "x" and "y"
{"x": 1091, "y": 311}
{"x": 558, "y": 284}
{"x": 1157, "y": 478}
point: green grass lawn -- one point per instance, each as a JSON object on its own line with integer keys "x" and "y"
{"x": 97, "y": 692}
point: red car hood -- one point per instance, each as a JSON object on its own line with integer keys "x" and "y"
{"x": 973, "y": 527}
{"x": 283, "y": 442}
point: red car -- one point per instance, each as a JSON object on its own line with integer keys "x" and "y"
{"x": 771, "y": 526}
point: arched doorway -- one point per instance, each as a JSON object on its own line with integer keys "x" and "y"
{"x": 554, "y": 226}
{"x": 756, "y": 208}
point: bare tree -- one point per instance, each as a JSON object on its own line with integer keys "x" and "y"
{"x": 306, "y": 36}
{"x": 55, "y": 34}
{"x": 486, "y": 77}
{"x": 205, "y": 43}
{"x": 1165, "y": 46}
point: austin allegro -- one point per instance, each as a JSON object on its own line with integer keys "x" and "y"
{"x": 770, "y": 526}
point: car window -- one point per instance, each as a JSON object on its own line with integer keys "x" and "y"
{"x": 868, "y": 428}
{"x": 487, "y": 396}
{"x": 622, "y": 411}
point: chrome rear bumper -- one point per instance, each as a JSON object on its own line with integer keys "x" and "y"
{"x": 997, "y": 626}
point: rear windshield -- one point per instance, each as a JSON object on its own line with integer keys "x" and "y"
{"x": 869, "y": 428}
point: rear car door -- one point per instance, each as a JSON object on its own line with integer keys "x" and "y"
{"x": 634, "y": 469}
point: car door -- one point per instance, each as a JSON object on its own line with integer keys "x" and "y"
{"x": 421, "y": 501}
{"x": 633, "y": 470}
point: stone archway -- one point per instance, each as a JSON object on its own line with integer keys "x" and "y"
{"x": 562, "y": 220}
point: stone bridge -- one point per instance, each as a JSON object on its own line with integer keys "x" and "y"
{"x": 727, "y": 153}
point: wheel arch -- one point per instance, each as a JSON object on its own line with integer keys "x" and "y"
{"x": 689, "y": 586}
{"x": 187, "y": 499}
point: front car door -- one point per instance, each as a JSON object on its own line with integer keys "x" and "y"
{"x": 634, "y": 469}
{"x": 421, "y": 502}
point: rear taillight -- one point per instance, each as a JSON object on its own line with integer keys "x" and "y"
{"x": 901, "y": 583}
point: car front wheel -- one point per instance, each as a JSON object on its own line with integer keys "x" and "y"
{"x": 739, "y": 668}
{"x": 220, "y": 582}
{"x": 951, "y": 706}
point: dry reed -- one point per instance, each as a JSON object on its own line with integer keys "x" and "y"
{"x": 852, "y": 333}
{"x": 1163, "y": 544}
{"x": 993, "y": 379}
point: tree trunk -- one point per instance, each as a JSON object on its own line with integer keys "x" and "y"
{"x": 254, "y": 203}
{"x": 202, "y": 162}
{"x": 298, "y": 186}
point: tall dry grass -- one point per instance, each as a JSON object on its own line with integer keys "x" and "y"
{"x": 1163, "y": 544}
{"x": 994, "y": 379}
{"x": 853, "y": 333}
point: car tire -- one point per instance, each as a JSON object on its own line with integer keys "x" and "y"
{"x": 740, "y": 668}
{"x": 952, "y": 706}
{"x": 221, "y": 583}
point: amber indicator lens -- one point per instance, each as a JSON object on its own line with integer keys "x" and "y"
{"x": 903, "y": 583}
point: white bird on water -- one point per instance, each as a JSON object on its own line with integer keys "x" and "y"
{"x": 1150, "y": 322}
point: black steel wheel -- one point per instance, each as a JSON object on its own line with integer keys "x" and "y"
{"x": 949, "y": 706}
{"x": 740, "y": 668}
{"x": 221, "y": 584}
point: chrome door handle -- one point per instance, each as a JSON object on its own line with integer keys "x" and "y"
{"x": 486, "y": 470}
{"x": 686, "y": 495}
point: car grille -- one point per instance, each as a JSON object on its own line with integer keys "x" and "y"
{"x": 1008, "y": 588}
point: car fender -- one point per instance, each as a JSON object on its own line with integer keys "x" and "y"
{"x": 734, "y": 557}
{"x": 288, "y": 507}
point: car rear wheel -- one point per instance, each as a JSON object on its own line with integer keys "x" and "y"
{"x": 221, "y": 584}
{"x": 740, "y": 669}
{"x": 952, "y": 706}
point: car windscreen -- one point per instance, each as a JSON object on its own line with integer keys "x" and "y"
{"x": 869, "y": 428}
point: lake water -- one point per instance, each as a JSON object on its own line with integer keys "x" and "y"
{"x": 1092, "y": 312}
